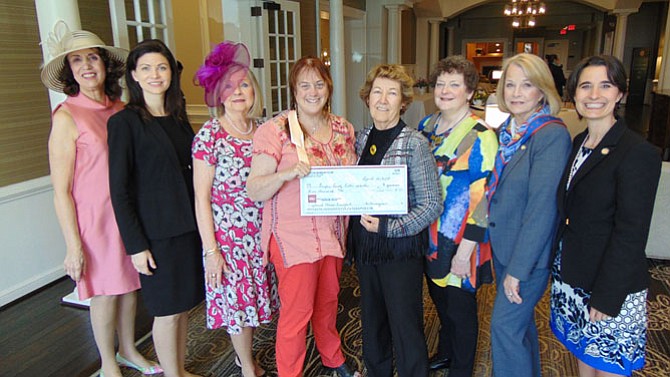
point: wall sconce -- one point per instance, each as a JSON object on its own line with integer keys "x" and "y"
{"x": 325, "y": 58}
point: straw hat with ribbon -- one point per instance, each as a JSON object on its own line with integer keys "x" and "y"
{"x": 61, "y": 42}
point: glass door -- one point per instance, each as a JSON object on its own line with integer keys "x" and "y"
{"x": 281, "y": 49}
{"x": 136, "y": 20}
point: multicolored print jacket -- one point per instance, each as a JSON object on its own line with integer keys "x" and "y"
{"x": 465, "y": 158}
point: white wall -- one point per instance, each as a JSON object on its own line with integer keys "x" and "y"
{"x": 31, "y": 245}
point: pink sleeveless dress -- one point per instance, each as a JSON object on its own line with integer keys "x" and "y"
{"x": 108, "y": 270}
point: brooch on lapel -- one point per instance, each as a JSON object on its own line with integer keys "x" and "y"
{"x": 605, "y": 151}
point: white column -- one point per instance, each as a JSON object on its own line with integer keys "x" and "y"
{"x": 664, "y": 74}
{"x": 48, "y": 13}
{"x": 620, "y": 31}
{"x": 450, "y": 41}
{"x": 394, "y": 36}
{"x": 434, "y": 46}
{"x": 317, "y": 18}
{"x": 337, "y": 58}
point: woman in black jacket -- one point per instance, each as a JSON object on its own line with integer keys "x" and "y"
{"x": 605, "y": 201}
{"x": 151, "y": 184}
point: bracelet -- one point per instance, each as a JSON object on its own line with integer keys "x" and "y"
{"x": 212, "y": 251}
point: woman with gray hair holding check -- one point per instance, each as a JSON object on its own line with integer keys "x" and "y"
{"x": 389, "y": 250}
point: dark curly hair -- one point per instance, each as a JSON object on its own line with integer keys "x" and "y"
{"x": 457, "y": 64}
{"x": 114, "y": 70}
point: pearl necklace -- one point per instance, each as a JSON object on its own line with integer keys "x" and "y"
{"x": 230, "y": 121}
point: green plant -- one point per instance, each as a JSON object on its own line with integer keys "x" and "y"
{"x": 480, "y": 96}
{"x": 421, "y": 83}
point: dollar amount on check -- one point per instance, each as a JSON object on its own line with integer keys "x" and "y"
{"x": 354, "y": 190}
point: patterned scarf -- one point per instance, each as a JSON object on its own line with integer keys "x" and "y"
{"x": 509, "y": 143}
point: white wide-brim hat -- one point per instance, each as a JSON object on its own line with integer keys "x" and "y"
{"x": 61, "y": 42}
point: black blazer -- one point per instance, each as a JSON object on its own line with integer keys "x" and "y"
{"x": 149, "y": 194}
{"x": 605, "y": 216}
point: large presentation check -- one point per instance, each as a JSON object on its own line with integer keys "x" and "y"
{"x": 354, "y": 190}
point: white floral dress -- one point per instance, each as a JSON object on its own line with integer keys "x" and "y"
{"x": 249, "y": 293}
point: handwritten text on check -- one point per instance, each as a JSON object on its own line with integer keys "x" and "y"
{"x": 354, "y": 190}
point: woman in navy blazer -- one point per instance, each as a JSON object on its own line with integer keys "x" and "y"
{"x": 534, "y": 146}
{"x": 151, "y": 185}
{"x": 605, "y": 200}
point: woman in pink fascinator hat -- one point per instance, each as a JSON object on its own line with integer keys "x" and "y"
{"x": 241, "y": 291}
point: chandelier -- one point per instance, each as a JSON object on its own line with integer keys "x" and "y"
{"x": 523, "y": 12}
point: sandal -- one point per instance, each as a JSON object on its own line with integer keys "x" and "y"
{"x": 256, "y": 366}
{"x": 153, "y": 369}
{"x": 345, "y": 371}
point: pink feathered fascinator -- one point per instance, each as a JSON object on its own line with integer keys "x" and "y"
{"x": 225, "y": 67}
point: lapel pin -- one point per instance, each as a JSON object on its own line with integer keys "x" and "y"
{"x": 605, "y": 151}
{"x": 523, "y": 147}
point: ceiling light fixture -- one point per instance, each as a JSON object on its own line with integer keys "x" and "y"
{"x": 524, "y": 12}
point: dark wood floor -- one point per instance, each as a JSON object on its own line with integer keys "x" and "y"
{"x": 41, "y": 337}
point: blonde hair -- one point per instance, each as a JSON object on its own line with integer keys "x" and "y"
{"x": 394, "y": 72}
{"x": 256, "y": 110}
{"x": 538, "y": 74}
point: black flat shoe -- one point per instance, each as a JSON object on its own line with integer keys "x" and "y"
{"x": 344, "y": 371}
{"x": 437, "y": 363}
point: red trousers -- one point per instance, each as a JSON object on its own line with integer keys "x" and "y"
{"x": 308, "y": 293}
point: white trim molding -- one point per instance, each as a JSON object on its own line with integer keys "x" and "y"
{"x": 32, "y": 245}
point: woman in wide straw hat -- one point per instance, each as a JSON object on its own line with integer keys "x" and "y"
{"x": 88, "y": 71}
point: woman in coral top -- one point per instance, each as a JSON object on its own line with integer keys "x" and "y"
{"x": 307, "y": 251}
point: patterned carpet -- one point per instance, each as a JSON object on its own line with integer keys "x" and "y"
{"x": 210, "y": 353}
